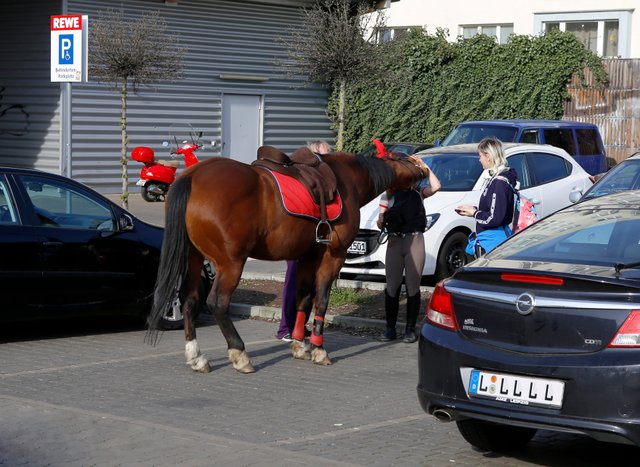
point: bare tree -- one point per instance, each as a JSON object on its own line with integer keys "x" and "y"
{"x": 132, "y": 51}
{"x": 334, "y": 45}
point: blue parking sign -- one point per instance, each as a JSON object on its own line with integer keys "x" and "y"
{"x": 65, "y": 46}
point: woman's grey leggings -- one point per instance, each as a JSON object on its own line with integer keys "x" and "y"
{"x": 405, "y": 255}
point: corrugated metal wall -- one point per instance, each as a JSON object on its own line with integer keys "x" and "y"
{"x": 615, "y": 108}
{"x": 221, "y": 37}
{"x": 29, "y": 102}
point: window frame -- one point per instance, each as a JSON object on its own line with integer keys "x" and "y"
{"x": 601, "y": 17}
{"x": 479, "y": 30}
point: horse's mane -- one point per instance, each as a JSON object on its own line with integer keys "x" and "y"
{"x": 380, "y": 174}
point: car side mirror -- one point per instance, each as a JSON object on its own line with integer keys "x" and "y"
{"x": 125, "y": 222}
{"x": 575, "y": 196}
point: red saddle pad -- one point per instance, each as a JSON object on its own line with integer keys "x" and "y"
{"x": 297, "y": 200}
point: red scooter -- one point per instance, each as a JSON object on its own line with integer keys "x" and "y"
{"x": 157, "y": 175}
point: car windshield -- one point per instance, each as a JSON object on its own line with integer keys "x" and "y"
{"x": 464, "y": 134}
{"x": 622, "y": 177}
{"x": 456, "y": 171}
{"x": 580, "y": 236}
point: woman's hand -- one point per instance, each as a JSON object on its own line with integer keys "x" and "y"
{"x": 466, "y": 210}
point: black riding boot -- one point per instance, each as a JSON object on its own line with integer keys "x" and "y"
{"x": 391, "y": 305}
{"x": 413, "y": 307}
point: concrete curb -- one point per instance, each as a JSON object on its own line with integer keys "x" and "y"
{"x": 275, "y": 314}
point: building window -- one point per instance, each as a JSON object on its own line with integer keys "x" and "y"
{"x": 389, "y": 34}
{"x": 586, "y": 32}
{"x": 607, "y": 33}
{"x": 500, "y": 32}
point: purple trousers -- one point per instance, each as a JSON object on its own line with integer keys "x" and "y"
{"x": 288, "y": 320}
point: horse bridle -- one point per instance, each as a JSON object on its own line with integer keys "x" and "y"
{"x": 420, "y": 175}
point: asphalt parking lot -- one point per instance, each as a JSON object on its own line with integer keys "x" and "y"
{"x": 86, "y": 397}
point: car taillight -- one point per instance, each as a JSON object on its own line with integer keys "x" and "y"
{"x": 629, "y": 333}
{"x": 440, "y": 309}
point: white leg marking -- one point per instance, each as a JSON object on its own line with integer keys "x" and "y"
{"x": 195, "y": 359}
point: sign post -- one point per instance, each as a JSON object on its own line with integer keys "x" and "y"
{"x": 69, "y": 60}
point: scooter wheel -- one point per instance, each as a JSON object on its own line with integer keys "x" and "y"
{"x": 149, "y": 197}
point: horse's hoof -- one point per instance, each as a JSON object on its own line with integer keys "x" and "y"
{"x": 319, "y": 356}
{"x": 240, "y": 361}
{"x": 206, "y": 368}
{"x": 300, "y": 350}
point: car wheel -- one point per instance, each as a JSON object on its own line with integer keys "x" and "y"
{"x": 488, "y": 436}
{"x": 173, "y": 318}
{"x": 451, "y": 255}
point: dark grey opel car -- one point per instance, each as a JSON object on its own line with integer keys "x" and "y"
{"x": 542, "y": 333}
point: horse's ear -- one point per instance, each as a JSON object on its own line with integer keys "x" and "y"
{"x": 269, "y": 152}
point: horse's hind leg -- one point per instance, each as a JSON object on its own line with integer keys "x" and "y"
{"x": 227, "y": 279}
{"x": 195, "y": 359}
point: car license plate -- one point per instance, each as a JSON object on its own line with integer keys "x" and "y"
{"x": 516, "y": 389}
{"x": 358, "y": 247}
{"x": 140, "y": 182}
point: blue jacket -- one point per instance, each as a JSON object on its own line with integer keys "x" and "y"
{"x": 495, "y": 208}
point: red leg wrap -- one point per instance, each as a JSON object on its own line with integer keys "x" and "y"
{"x": 298, "y": 330}
{"x": 318, "y": 328}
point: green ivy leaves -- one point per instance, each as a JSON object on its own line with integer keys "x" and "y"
{"x": 434, "y": 84}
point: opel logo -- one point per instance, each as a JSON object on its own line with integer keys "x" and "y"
{"x": 525, "y": 303}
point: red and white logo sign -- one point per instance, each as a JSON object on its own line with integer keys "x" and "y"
{"x": 66, "y": 23}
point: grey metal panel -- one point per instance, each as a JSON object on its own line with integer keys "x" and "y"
{"x": 222, "y": 38}
{"x": 29, "y": 134}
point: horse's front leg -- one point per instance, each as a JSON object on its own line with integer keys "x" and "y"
{"x": 318, "y": 353}
{"x": 299, "y": 348}
{"x": 325, "y": 275}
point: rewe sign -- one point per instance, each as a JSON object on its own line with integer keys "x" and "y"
{"x": 69, "y": 48}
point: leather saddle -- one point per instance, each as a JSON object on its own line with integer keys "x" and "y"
{"x": 310, "y": 170}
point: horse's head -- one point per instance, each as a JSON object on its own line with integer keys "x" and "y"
{"x": 408, "y": 171}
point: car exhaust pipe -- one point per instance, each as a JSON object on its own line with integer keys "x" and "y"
{"x": 442, "y": 415}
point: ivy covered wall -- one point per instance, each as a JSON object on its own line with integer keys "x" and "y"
{"x": 433, "y": 84}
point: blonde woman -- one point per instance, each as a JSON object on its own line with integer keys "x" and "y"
{"x": 494, "y": 213}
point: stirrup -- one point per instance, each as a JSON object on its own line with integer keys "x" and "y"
{"x": 323, "y": 240}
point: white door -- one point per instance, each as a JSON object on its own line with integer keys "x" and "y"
{"x": 241, "y": 126}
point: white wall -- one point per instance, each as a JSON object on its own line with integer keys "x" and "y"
{"x": 450, "y": 15}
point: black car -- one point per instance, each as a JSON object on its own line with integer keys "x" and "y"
{"x": 65, "y": 250}
{"x": 622, "y": 177}
{"x": 542, "y": 333}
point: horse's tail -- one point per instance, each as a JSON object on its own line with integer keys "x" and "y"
{"x": 173, "y": 256}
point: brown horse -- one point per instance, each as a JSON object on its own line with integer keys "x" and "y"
{"x": 226, "y": 211}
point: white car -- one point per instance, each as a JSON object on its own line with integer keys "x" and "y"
{"x": 547, "y": 175}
